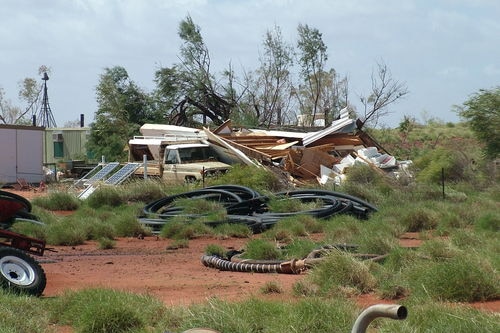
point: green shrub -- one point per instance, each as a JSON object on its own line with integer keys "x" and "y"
{"x": 141, "y": 190}
{"x": 232, "y": 230}
{"x": 420, "y": 218}
{"x": 450, "y": 220}
{"x": 341, "y": 229}
{"x": 299, "y": 248}
{"x": 438, "y": 249}
{"x": 124, "y": 221}
{"x": 103, "y": 318}
{"x": 362, "y": 191}
{"x": 30, "y": 229}
{"x": 95, "y": 229}
{"x": 180, "y": 243}
{"x": 465, "y": 239}
{"x": 363, "y": 174}
{"x": 289, "y": 225}
{"x": 432, "y": 164}
{"x": 178, "y": 229}
{"x": 104, "y": 310}
{"x": 400, "y": 259}
{"x": 258, "y": 178}
{"x": 22, "y": 313}
{"x": 201, "y": 206}
{"x": 215, "y": 250}
{"x": 57, "y": 201}
{"x": 106, "y": 243}
{"x": 375, "y": 241}
{"x": 305, "y": 288}
{"x": 341, "y": 270}
{"x": 257, "y": 315}
{"x": 291, "y": 205}
{"x": 455, "y": 196}
{"x": 426, "y": 315}
{"x": 261, "y": 249}
{"x": 489, "y": 221}
{"x": 464, "y": 278}
{"x": 392, "y": 285}
{"x": 105, "y": 196}
{"x": 271, "y": 287}
{"x": 295, "y": 226}
{"x": 279, "y": 234}
{"x": 66, "y": 233}
{"x": 172, "y": 228}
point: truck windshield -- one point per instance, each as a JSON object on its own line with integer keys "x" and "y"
{"x": 194, "y": 154}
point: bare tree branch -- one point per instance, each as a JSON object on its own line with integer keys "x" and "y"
{"x": 385, "y": 91}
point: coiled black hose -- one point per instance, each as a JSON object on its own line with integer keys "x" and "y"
{"x": 247, "y": 206}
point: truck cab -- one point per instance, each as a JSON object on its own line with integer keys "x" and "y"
{"x": 175, "y": 161}
{"x": 190, "y": 162}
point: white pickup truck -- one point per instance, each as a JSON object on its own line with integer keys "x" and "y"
{"x": 175, "y": 161}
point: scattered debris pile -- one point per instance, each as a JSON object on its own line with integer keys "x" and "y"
{"x": 324, "y": 155}
{"x": 246, "y": 206}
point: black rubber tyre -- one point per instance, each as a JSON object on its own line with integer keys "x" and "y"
{"x": 20, "y": 273}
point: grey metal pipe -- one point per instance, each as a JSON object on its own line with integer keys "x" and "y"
{"x": 373, "y": 312}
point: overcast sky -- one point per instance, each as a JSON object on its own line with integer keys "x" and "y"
{"x": 444, "y": 50}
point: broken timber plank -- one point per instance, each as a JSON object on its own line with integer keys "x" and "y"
{"x": 224, "y": 143}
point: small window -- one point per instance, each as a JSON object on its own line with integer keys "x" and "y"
{"x": 57, "y": 137}
{"x": 171, "y": 157}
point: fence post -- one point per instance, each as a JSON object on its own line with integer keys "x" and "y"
{"x": 442, "y": 181}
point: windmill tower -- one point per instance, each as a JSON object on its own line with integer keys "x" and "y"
{"x": 44, "y": 117}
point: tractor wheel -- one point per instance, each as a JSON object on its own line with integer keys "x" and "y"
{"x": 20, "y": 273}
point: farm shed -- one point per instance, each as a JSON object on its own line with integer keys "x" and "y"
{"x": 65, "y": 144}
{"x": 21, "y": 153}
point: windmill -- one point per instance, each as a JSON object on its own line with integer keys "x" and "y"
{"x": 44, "y": 117}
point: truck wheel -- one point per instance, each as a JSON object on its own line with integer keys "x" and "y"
{"x": 20, "y": 273}
{"x": 190, "y": 180}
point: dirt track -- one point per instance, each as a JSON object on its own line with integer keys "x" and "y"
{"x": 146, "y": 266}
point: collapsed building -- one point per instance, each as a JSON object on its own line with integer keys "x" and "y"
{"x": 321, "y": 156}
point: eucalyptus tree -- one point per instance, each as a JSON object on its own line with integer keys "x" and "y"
{"x": 168, "y": 91}
{"x": 321, "y": 91}
{"x": 333, "y": 97}
{"x": 190, "y": 88}
{"x": 482, "y": 112}
{"x": 271, "y": 88}
{"x": 122, "y": 108}
{"x": 9, "y": 113}
{"x": 312, "y": 58}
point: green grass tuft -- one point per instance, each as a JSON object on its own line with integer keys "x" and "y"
{"x": 261, "y": 249}
{"x": 464, "y": 278}
{"x": 57, "y": 201}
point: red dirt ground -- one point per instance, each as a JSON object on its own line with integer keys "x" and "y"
{"x": 175, "y": 276}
